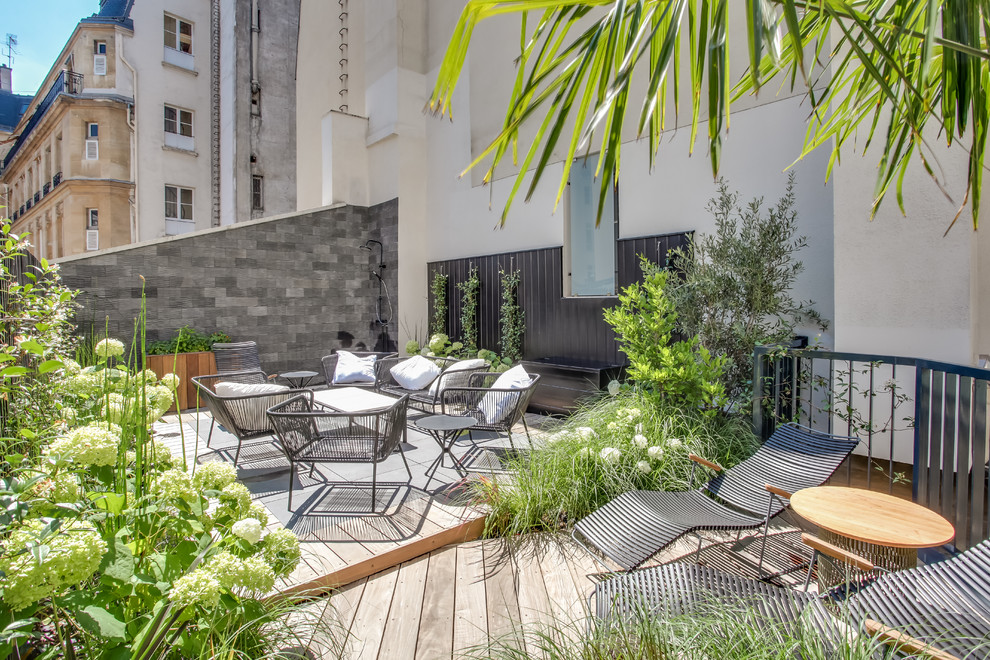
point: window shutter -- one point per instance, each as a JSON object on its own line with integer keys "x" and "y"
{"x": 92, "y": 149}
{"x": 92, "y": 240}
{"x": 100, "y": 65}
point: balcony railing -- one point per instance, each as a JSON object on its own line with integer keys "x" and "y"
{"x": 45, "y": 189}
{"x": 29, "y": 203}
{"x": 37, "y": 197}
{"x": 920, "y": 421}
{"x": 66, "y": 83}
{"x": 57, "y": 179}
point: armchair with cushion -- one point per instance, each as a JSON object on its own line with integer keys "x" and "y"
{"x": 238, "y": 402}
{"x": 497, "y": 400}
{"x": 237, "y": 356}
{"x": 423, "y": 379}
{"x": 352, "y": 368}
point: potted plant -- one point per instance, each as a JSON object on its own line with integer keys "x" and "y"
{"x": 188, "y": 353}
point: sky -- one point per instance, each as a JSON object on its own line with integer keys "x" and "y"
{"x": 42, "y": 28}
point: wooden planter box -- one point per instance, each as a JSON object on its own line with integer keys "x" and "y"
{"x": 185, "y": 366}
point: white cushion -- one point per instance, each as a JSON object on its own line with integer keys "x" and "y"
{"x": 497, "y": 405}
{"x": 415, "y": 373}
{"x": 354, "y": 369}
{"x": 249, "y": 415}
{"x": 460, "y": 365}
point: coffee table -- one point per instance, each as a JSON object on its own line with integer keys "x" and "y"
{"x": 352, "y": 399}
{"x": 445, "y": 429}
{"x": 299, "y": 379}
{"x": 885, "y": 529}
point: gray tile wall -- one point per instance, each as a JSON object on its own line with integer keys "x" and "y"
{"x": 298, "y": 285}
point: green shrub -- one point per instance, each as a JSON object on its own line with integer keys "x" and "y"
{"x": 620, "y": 442}
{"x": 186, "y": 340}
{"x": 736, "y": 290}
{"x": 470, "y": 289}
{"x": 512, "y": 317}
{"x": 682, "y": 372}
{"x": 438, "y": 287}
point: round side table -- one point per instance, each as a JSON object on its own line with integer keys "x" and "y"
{"x": 299, "y": 379}
{"x": 444, "y": 429}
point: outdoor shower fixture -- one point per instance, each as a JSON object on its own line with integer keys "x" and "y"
{"x": 381, "y": 319}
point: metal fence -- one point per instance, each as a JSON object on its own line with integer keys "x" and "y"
{"x": 917, "y": 419}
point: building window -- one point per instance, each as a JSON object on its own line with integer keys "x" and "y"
{"x": 590, "y": 250}
{"x": 178, "y": 121}
{"x": 178, "y": 203}
{"x": 100, "y": 47}
{"x": 178, "y": 34}
{"x": 99, "y": 58}
{"x": 92, "y": 218}
{"x": 258, "y": 193}
{"x": 92, "y": 131}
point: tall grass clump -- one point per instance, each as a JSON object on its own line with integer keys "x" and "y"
{"x": 728, "y": 631}
{"x": 621, "y": 442}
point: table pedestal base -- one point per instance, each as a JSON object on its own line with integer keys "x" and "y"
{"x": 831, "y": 573}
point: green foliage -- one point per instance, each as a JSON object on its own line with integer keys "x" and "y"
{"x": 495, "y": 363}
{"x": 441, "y": 346}
{"x": 728, "y": 629}
{"x": 412, "y": 347}
{"x": 881, "y": 72}
{"x": 512, "y": 316}
{"x": 630, "y": 440}
{"x": 736, "y": 289}
{"x": 186, "y": 340}
{"x": 36, "y": 328}
{"x": 470, "y": 288}
{"x": 438, "y": 288}
{"x": 683, "y": 372}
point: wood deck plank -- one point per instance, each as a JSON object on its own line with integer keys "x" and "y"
{"x": 500, "y": 589}
{"x": 534, "y": 604}
{"x": 343, "y": 605}
{"x": 565, "y": 602}
{"x": 372, "y": 613}
{"x": 436, "y": 623}
{"x": 402, "y": 626}
{"x": 470, "y": 610}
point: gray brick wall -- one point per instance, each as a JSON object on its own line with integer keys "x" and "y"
{"x": 298, "y": 285}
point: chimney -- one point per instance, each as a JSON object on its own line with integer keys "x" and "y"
{"x": 5, "y": 84}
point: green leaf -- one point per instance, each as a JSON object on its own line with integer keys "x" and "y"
{"x": 49, "y": 365}
{"x": 31, "y": 346}
{"x": 11, "y": 372}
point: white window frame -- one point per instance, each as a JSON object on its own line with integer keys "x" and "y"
{"x": 92, "y": 218}
{"x": 92, "y": 131}
{"x": 92, "y": 150}
{"x": 175, "y": 138}
{"x": 175, "y": 223}
{"x": 176, "y": 35}
{"x": 92, "y": 240}
{"x": 100, "y": 47}
{"x": 99, "y": 65}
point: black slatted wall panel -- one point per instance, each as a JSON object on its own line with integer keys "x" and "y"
{"x": 557, "y": 327}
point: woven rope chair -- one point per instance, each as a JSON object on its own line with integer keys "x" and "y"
{"x": 941, "y": 610}
{"x": 429, "y": 402}
{"x": 496, "y": 410}
{"x": 237, "y": 356}
{"x": 637, "y": 524}
{"x": 311, "y": 433}
{"x": 329, "y": 363}
{"x": 244, "y": 415}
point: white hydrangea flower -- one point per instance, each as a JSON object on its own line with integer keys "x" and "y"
{"x": 175, "y": 483}
{"x": 281, "y": 550}
{"x": 214, "y": 475}
{"x": 248, "y": 529}
{"x": 108, "y": 348}
{"x": 237, "y": 498}
{"x": 586, "y": 432}
{"x": 200, "y": 587}
{"x": 611, "y": 455}
{"x": 655, "y": 452}
{"x": 258, "y": 512}
{"x": 640, "y": 440}
{"x": 633, "y": 413}
{"x": 584, "y": 452}
{"x": 612, "y": 426}
{"x": 613, "y": 387}
{"x": 171, "y": 381}
{"x": 644, "y": 467}
{"x": 674, "y": 443}
{"x": 94, "y": 444}
{"x": 74, "y": 554}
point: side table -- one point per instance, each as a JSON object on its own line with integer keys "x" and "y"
{"x": 299, "y": 379}
{"x": 444, "y": 429}
{"x": 885, "y": 529}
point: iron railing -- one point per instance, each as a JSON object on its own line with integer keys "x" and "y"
{"x": 66, "y": 83}
{"x": 915, "y": 417}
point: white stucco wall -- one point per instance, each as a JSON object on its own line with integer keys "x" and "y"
{"x": 156, "y": 84}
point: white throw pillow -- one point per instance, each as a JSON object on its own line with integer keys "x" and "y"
{"x": 249, "y": 414}
{"x": 497, "y": 405}
{"x": 460, "y": 365}
{"x": 415, "y": 373}
{"x": 354, "y": 369}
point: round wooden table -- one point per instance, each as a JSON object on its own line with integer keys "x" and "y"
{"x": 885, "y": 529}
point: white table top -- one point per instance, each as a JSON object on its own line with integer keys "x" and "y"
{"x": 353, "y": 399}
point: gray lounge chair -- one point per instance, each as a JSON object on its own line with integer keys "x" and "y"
{"x": 940, "y": 610}
{"x": 638, "y": 524}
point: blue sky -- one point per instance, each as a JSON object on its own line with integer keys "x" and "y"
{"x": 42, "y": 28}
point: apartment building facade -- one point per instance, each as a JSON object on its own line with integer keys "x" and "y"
{"x": 132, "y": 136}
